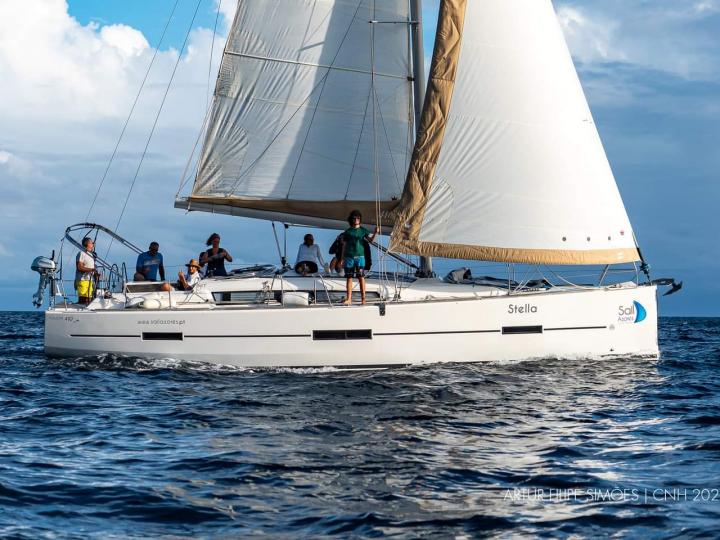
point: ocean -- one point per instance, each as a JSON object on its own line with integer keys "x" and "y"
{"x": 125, "y": 448}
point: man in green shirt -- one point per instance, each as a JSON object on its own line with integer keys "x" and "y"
{"x": 353, "y": 253}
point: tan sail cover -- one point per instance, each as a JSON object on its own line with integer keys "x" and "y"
{"x": 291, "y": 131}
{"x": 508, "y": 164}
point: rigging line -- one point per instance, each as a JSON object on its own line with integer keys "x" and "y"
{"x": 185, "y": 178}
{"x": 411, "y": 127}
{"x": 387, "y": 139}
{"x": 277, "y": 241}
{"x": 376, "y": 162}
{"x": 251, "y": 167}
{"x": 157, "y": 117}
{"x": 357, "y": 148}
{"x": 322, "y": 80}
{"x": 558, "y": 276}
{"x": 212, "y": 51}
{"x": 322, "y": 89}
{"x": 132, "y": 109}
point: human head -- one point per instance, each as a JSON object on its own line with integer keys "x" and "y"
{"x": 193, "y": 266}
{"x": 308, "y": 240}
{"x": 214, "y": 237}
{"x": 355, "y": 214}
{"x": 154, "y": 247}
{"x": 88, "y": 243}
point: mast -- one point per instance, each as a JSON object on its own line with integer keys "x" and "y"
{"x": 418, "y": 62}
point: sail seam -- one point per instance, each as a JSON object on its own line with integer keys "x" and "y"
{"x": 310, "y": 64}
{"x": 322, "y": 90}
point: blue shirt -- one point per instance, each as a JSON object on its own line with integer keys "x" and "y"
{"x": 148, "y": 265}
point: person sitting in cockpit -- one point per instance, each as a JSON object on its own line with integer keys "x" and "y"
{"x": 309, "y": 257}
{"x": 186, "y": 282}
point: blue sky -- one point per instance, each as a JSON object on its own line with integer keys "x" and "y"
{"x": 651, "y": 72}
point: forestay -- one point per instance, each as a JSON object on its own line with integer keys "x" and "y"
{"x": 295, "y": 131}
{"x": 508, "y": 164}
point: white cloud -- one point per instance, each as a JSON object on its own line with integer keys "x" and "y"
{"x": 227, "y": 9}
{"x": 670, "y": 36}
{"x": 128, "y": 41}
{"x": 67, "y": 89}
{"x": 14, "y": 166}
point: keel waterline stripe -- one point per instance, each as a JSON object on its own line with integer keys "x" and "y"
{"x": 576, "y": 328}
{"x": 105, "y": 335}
{"x": 249, "y": 336}
{"x": 436, "y": 333}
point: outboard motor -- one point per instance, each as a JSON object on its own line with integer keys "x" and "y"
{"x": 45, "y": 266}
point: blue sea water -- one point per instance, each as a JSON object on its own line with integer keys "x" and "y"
{"x": 120, "y": 448}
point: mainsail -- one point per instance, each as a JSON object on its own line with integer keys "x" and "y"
{"x": 312, "y": 112}
{"x": 508, "y": 164}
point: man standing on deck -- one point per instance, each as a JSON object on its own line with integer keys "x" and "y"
{"x": 85, "y": 272}
{"x": 353, "y": 254}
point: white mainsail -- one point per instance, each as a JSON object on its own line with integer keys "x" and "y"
{"x": 508, "y": 164}
{"x": 299, "y": 129}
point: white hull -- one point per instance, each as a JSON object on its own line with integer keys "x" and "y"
{"x": 567, "y": 323}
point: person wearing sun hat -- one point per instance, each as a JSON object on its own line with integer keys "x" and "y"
{"x": 187, "y": 281}
{"x": 192, "y": 278}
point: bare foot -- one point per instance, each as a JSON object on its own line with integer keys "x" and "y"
{"x": 347, "y": 302}
{"x": 363, "y": 302}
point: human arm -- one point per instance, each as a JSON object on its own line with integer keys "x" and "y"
{"x": 371, "y": 237}
{"x": 183, "y": 282}
{"x": 203, "y": 258}
{"x": 227, "y": 256}
{"x": 318, "y": 254}
{"x": 162, "y": 272}
{"x": 341, "y": 249}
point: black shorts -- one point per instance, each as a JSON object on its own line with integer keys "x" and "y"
{"x": 311, "y": 266}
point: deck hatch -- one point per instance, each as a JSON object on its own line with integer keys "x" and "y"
{"x": 327, "y": 335}
{"x": 518, "y": 330}
{"x": 162, "y": 336}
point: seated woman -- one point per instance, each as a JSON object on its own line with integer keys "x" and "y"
{"x": 308, "y": 257}
{"x": 186, "y": 282}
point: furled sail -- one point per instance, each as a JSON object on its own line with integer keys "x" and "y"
{"x": 508, "y": 164}
{"x": 300, "y": 130}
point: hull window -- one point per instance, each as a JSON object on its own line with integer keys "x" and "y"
{"x": 517, "y": 330}
{"x": 162, "y": 336}
{"x": 325, "y": 335}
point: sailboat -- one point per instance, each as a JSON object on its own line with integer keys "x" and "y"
{"x": 320, "y": 108}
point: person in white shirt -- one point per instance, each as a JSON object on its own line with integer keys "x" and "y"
{"x": 309, "y": 257}
{"x": 85, "y": 272}
{"x": 185, "y": 282}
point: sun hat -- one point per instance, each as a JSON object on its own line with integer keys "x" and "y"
{"x": 193, "y": 262}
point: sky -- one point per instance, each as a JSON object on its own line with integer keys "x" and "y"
{"x": 70, "y": 70}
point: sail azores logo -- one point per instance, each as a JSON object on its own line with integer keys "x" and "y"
{"x": 634, "y": 314}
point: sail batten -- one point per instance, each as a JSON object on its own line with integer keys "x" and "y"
{"x": 302, "y": 111}
{"x": 508, "y": 165}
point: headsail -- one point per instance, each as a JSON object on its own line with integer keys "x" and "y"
{"x": 296, "y": 132}
{"x": 508, "y": 164}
